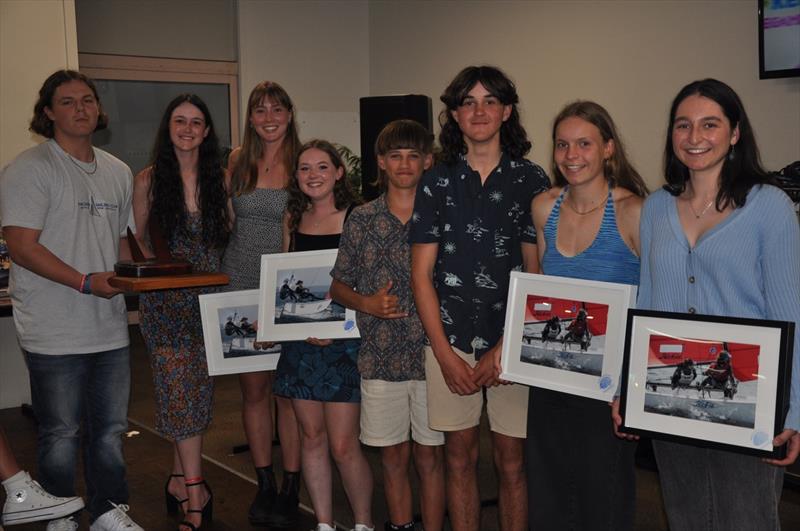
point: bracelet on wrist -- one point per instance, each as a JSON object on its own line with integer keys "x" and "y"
{"x": 86, "y": 284}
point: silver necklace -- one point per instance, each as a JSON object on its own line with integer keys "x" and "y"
{"x": 80, "y": 165}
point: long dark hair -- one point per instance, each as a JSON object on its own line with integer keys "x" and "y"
{"x": 741, "y": 170}
{"x": 40, "y": 123}
{"x": 343, "y": 194}
{"x": 617, "y": 170}
{"x": 245, "y": 172}
{"x": 513, "y": 138}
{"x": 168, "y": 207}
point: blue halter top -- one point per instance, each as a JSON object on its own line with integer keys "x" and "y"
{"x": 607, "y": 259}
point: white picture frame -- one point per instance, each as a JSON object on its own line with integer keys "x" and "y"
{"x": 229, "y": 335}
{"x": 305, "y": 309}
{"x": 543, "y": 345}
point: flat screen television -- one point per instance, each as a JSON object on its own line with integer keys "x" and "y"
{"x": 778, "y": 38}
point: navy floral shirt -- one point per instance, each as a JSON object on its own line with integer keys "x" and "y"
{"x": 479, "y": 229}
{"x": 374, "y": 249}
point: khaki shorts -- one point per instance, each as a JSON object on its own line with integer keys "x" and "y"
{"x": 506, "y": 405}
{"x": 389, "y": 409}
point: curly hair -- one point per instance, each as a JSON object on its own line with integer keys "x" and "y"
{"x": 343, "y": 194}
{"x": 617, "y": 170}
{"x": 40, "y": 123}
{"x": 741, "y": 170}
{"x": 245, "y": 172}
{"x": 168, "y": 206}
{"x": 513, "y": 138}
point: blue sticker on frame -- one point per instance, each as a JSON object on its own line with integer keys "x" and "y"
{"x": 759, "y": 438}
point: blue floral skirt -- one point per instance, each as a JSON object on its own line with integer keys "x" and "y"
{"x": 325, "y": 374}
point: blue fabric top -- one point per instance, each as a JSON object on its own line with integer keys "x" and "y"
{"x": 746, "y": 266}
{"x": 607, "y": 259}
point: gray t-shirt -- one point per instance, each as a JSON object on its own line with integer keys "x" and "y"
{"x": 81, "y": 211}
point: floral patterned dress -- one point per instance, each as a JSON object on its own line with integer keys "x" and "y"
{"x": 173, "y": 332}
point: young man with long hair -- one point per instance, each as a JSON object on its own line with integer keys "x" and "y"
{"x": 470, "y": 227}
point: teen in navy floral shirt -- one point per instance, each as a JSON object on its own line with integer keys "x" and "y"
{"x": 470, "y": 229}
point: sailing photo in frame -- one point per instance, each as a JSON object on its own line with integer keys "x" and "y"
{"x": 565, "y": 334}
{"x": 295, "y": 301}
{"x": 229, "y": 333}
{"x": 705, "y": 380}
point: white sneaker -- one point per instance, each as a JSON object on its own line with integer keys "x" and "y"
{"x": 27, "y": 501}
{"x": 362, "y": 527}
{"x": 324, "y": 527}
{"x": 62, "y": 524}
{"x": 116, "y": 519}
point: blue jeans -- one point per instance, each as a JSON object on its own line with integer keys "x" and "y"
{"x": 710, "y": 490}
{"x": 67, "y": 390}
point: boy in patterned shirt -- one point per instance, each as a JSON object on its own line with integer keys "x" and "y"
{"x": 372, "y": 275}
{"x": 470, "y": 228}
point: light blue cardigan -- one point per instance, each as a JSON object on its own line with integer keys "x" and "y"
{"x": 747, "y": 266}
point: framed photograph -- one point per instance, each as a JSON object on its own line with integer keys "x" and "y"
{"x": 295, "y": 300}
{"x": 705, "y": 380}
{"x": 229, "y": 333}
{"x": 5, "y": 264}
{"x": 565, "y": 334}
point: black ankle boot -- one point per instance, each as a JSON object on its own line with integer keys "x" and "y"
{"x": 388, "y": 526}
{"x": 263, "y": 503}
{"x": 284, "y": 511}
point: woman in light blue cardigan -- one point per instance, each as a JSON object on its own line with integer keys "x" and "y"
{"x": 720, "y": 240}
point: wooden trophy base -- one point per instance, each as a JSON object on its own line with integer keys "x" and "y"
{"x": 193, "y": 280}
{"x": 152, "y": 268}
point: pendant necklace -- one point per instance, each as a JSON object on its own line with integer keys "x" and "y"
{"x": 702, "y": 212}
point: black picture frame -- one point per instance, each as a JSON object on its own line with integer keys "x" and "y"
{"x": 766, "y": 71}
{"x": 742, "y": 414}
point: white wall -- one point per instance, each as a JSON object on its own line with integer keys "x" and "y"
{"x": 630, "y": 56}
{"x": 318, "y": 51}
{"x": 25, "y": 63}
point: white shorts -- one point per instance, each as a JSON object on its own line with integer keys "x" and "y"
{"x": 506, "y": 405}
{"x": 390, "y": 409}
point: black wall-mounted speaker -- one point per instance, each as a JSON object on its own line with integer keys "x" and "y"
{"x": 376, "y": 112}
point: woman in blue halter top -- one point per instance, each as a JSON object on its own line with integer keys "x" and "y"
{"x": 580, "y": 475}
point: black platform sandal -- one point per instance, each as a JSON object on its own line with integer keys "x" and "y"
{"x": 207, "y": 511}
{"x": 172, "y": 502}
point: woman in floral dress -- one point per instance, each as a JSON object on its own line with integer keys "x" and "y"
{"x": 182, "y": 197}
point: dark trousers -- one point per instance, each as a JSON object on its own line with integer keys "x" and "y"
{"x": 580, "y": 475}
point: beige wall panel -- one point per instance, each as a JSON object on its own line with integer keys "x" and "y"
{"x": 25, "y": 62}
{"x": 185, "y": 29}
{"x": 630, "y": 56}
{"x": 318, "y": 51}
